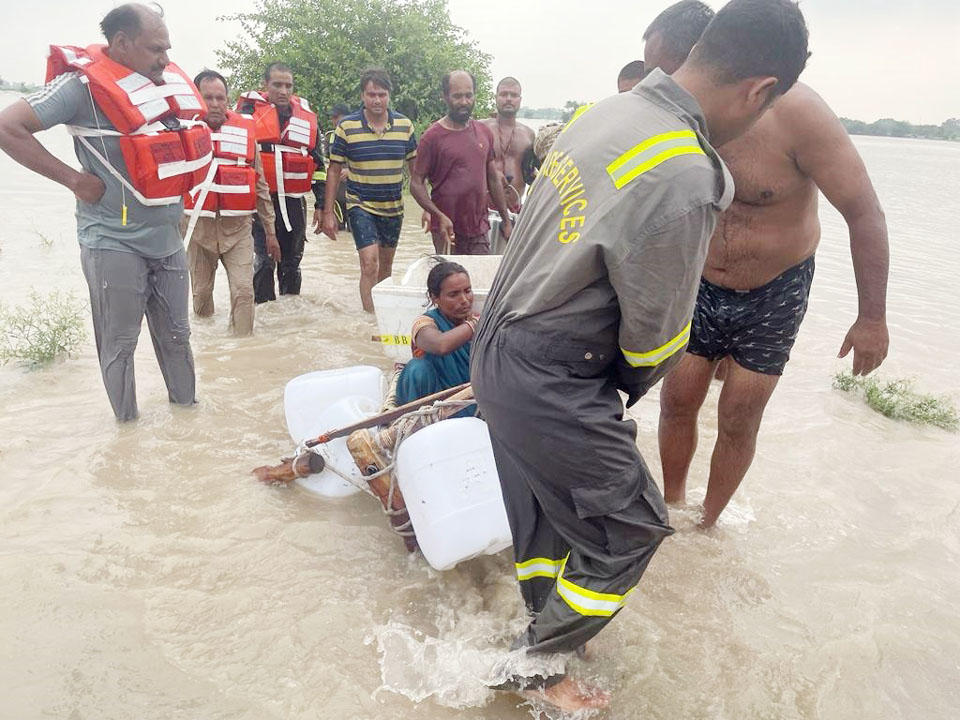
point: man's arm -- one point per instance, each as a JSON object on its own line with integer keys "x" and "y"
{"x": 265, "y": 211}
{"x": 824, "y": 152}
{"x": 656, "y": 279}
{"x": 18, "y": 123}
{"x": 339, "y": 152}
{"x": 495, "y": 183}
{"x": 330, "y": 222}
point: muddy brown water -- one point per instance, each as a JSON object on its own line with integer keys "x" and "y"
{"x": 146, "y": 575}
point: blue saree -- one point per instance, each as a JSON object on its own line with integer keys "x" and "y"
{"x": 428, "y": 374}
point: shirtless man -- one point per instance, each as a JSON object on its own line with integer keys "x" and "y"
{"x": 756, "y": 281}
{"x": 511, "y": 140}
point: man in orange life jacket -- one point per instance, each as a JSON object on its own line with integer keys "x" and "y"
{"x": 291, "y": 148}
{"x": 217, "y": 221}
{"x": 129, "y": 109}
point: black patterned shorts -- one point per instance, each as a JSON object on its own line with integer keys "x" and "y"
{"x": 756, "y": 327}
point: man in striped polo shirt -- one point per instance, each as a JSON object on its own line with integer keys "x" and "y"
{"x": 373, "y": 144}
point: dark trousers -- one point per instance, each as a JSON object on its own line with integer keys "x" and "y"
{"x": 291, "y": 251}
{"x": 585, "y": 514}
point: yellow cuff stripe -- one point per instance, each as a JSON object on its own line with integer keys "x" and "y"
{"x": 538, "y": 567}
{"x": 588, "y": 602}
{"x": 658, "y": 355}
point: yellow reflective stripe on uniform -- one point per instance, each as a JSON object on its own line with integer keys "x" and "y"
{"x": 538, "y": 567}
{"x": 658, "y": 355}
{"x": 652, "y": 152}
{"x": 588, "y": 602}
{"x": 576, "y": 115}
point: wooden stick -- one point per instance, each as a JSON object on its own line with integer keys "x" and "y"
{"x": 387, "y": 417}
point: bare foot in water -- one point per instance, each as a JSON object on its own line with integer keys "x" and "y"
{"x": 569, "y": 695}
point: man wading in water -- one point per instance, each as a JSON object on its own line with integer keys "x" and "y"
{"x": 511, "y": 140}
{"x": 594, "y": 296}
{"x": 127, "y": 216}
{"x": 758, "y": 272}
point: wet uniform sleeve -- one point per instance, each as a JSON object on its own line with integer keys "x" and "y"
{"x": 59, "y": 101}
{"x": 265, "y": 209}
{"x": 319, "y": 186}
{"x": 656, "y": 282}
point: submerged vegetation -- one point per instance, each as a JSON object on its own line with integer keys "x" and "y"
{"x": 898, "y": 400}
{"x": 50, "y": 327}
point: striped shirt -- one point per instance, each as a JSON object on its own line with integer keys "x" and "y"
{"x": 375, "y": 161}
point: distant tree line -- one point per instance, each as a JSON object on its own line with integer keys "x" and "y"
{"x": 887, "y": 127}
{"x": 18, "y": 86}
{"x": 541, "y": 113}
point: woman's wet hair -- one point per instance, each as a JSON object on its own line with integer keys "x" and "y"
{"x": 440, "y": 272}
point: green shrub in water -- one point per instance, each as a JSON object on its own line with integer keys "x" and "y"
{"x": 52, "y": 326}
{"x": 898, "y": 400}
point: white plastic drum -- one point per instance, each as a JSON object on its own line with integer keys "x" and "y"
{"x": 335, "y": 453}
{"x": 308, "y": 396}
{"x": 448, "y": 478}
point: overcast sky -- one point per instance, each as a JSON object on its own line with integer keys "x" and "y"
{"x": 871, "y": 58}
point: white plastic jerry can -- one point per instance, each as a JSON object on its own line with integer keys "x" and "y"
{"x": 449, "y": 480}
{"x": 336, "y": 455}
{"x": 308, "y": 396}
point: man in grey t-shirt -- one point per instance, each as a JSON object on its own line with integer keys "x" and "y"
{"x": 132, "y": 254}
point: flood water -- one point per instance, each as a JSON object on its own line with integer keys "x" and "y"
{"x": 146, "y": 575}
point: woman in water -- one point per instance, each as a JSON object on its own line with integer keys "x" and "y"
{"x": 440, "y": 339}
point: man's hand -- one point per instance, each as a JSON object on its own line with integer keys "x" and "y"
{"x": 506, "y": 228}
{"x": 869, "y": 341}
{"x": 446, "y": 228}
{"x": 317, "y": 221}
{"x": 273, "y": 247}
{"x": 88, "y": 188}
{"x": 330, "y": 225}
{"x": 425, "y": 222}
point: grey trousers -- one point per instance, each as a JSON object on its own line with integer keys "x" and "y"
{"x": 585, "y": 514}
{"x": 123, "y": 287}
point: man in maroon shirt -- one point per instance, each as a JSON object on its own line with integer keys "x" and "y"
{"x": 456, "y": 156}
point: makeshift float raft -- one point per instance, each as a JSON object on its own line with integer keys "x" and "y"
{"x": 435, "y": 476}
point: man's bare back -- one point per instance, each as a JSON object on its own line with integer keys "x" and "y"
{"x": 511, "y": 140}
{"x": 777, "y": 165}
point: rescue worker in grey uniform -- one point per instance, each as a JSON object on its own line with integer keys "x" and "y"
{"x": 595, "y": 295}
{"x": 132, "y": 268}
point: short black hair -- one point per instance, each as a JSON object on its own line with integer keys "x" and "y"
{"x": 754, "y": 38}
{"x": 445, "y": 80}
{"x": 633, "y": 69}
{"x": 280, "y": 66}
{"x": 679, "y": 27}
{"x": 508, "y": 81}
{"x": 210, "y": 75}
{"x": 377, "y": 76}
{"x": 440, "y": 272}
{"x": 126, "y": 18}
{"x": 339, "y": 110}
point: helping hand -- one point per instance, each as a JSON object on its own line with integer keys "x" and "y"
{"x": 869, "y": 341}
{"x": 273, "y": 248}
{"x": 330, "y": 225}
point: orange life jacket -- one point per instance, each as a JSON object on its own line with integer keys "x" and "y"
{"x": 231, "y": 190}
{"x": 292, "y": 143}
{"x": 165, "y": 150}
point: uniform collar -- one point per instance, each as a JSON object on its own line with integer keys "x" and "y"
{"x": 661, "y": 89}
